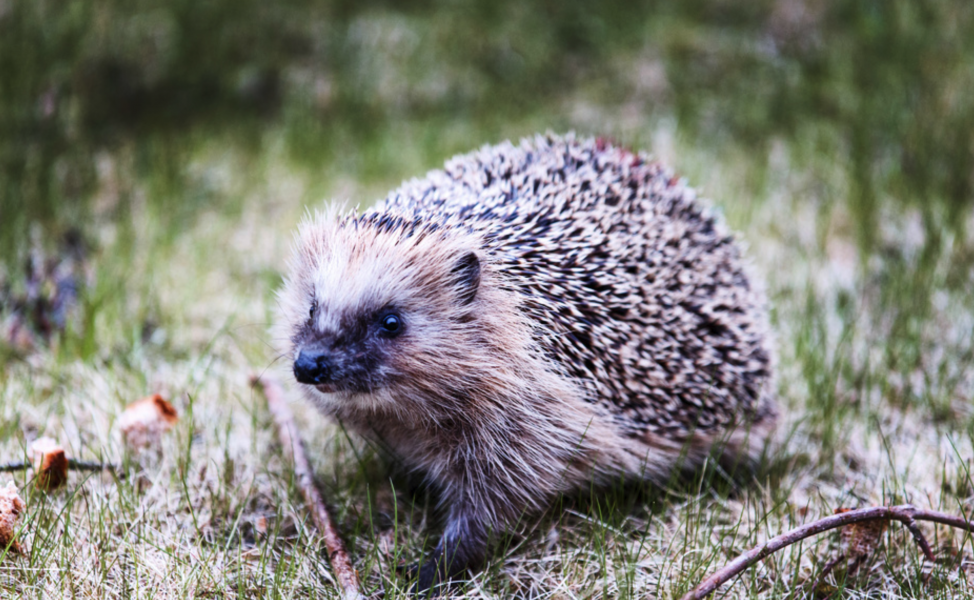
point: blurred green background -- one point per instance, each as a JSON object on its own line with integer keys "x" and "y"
{"x": 885, "y": 85}
{"x": 374, "y": 91}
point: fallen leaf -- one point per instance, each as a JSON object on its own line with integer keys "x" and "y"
{"x": 860, "y": 539}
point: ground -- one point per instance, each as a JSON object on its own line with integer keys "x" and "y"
{"x": 867, "y": 256}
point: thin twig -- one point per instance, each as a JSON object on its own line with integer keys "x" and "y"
{"x": 73, "y": 464}
{"x": 906, "y": 514}
{"x": 85, "y": 465}
{"x": 921, "y": 541}
{"x": 291, "y": 441}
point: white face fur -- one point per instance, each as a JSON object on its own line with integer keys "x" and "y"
{"x": 367, "y": 303}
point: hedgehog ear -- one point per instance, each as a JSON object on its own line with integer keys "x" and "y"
{"x": 466, "y": 273}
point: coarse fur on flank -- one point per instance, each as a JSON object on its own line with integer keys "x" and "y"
{"x": 563, "y": 311}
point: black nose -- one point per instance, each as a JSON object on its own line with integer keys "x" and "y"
{"x": 312, "y": 368}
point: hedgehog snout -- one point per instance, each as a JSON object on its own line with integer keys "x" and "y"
{"x": 313, "y": 367}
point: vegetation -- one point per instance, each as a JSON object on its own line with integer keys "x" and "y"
{"x": 177, "y": 146}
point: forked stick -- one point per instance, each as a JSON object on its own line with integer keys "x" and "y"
{"x": 291, "y": 441}
{"x": 905, "y": 513}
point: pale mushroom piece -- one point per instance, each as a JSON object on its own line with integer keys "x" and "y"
{"x": 11, "y": 506}
{"x": 143, "y": 422}
{"x": 50, "y": 464}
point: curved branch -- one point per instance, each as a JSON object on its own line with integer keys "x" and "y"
{"x": 906, "y": 514}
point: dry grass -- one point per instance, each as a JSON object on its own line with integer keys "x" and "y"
{"x": 217, "y": 513}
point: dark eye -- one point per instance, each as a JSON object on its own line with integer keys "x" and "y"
{"x": 391, "y": 325}
{"x": 314, "y": 307}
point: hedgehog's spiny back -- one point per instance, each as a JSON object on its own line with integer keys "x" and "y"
{"x": 637, "y": 292}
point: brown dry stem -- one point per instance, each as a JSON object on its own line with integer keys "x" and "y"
{"x": 906, "y": 514}
{"x": 341, "y": 564}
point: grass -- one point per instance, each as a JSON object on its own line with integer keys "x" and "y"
{"x": 836, "y": 138}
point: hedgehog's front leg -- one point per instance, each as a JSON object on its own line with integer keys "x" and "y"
{"x": 462, "y": 547}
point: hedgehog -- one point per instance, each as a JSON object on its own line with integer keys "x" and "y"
{"x": 529, "y": 320}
